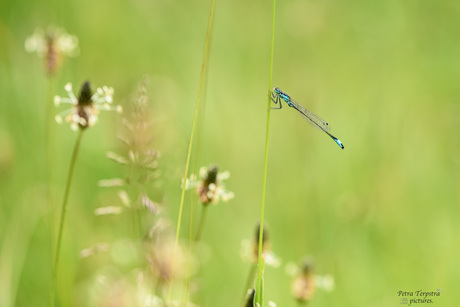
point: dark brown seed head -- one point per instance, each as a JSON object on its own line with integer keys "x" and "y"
{"x": 84, "y": 99}
{"x": 211, "y": 176}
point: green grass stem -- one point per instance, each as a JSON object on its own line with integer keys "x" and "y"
{"x": 203, "y": 65}
{"x": 199, "y": 231}
{"x": 63, "y": 216}
{"x": 195, "y": 166}
{"x": 49, "y": 143}
{"x": 260, "y": 262}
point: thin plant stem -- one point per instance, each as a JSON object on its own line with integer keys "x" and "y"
{"x": 18, "y": 233}
{"x": 202, "y": 221}
{"x": 51, "y": 208}
{"x": 63, "y": 216}
{"x": 260, "y": 262}
{"x": 194, "y": 163}
{"x": 132, "y": 210}
{"x": 190, "y": 240}
{"x": 203, "y": 65}
{"x": 49, "y": 143}
{"x": 133, "y": 192}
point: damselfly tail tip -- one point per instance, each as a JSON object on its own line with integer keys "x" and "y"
{"x": 339, "y": 143}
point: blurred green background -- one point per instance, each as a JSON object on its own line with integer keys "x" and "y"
{"x": 380, "y": 216}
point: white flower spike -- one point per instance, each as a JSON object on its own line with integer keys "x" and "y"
{"x": 85, "y": 109}
{"x": 52, "y": 45}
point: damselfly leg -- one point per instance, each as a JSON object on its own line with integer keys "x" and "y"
{"x": 276, "y": 99}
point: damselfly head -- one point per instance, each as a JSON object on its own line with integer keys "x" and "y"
{"x": 277, "y": 90}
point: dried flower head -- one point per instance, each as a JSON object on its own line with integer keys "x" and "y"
{"x": 85, "y": 109}
{"x": 52, "y": 45}
{"x": 250, "y": 250}
{"x": 265, "y": 242}
{"x": 306, "y": 282}
{"x": 210, "y": 187}
{"x": 303, "y": 286}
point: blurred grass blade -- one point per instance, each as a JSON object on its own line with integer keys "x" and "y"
{"x": 203, "y": 65}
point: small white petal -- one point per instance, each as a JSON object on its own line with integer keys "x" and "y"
{"x": 57, "y": 100}
{"x": 68, "y": 87}
{"x": 246, "y": 250}
{"x": 291, "y": 269}
{"x": 58, "y": 119}
{"x": 224, "y": 175}
{"x": 36, "y": 43}
{"x": 68, "y": 44}
{"x": 203, "y": 172}
{"x": 272, "y": 260}
{"x": 124, "y": 198}
{"x": 117, "y": 158}
{"x": 325, "y": 282}
{"x": 132, "y": 156}
{"x": 108, "y": 210}
{"x": 115, "y": 182}
{"x": 82, "y": 121}
{"x": 92, "y": 120}
{"x": 227, "y": 195}
{"x": 101, "y": 247}
{"x": 149, "y": 204}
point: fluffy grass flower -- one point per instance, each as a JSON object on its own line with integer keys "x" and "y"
{"x": 159, "y": 245}
{"x": 140, "y": 185}
{"x": 52, "y": 45}
{"x": 85, "y": 109}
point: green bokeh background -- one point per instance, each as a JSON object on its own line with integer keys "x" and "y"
{"x": 380, "y": 216}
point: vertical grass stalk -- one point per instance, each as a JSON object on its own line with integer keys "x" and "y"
{"x": 194, "y": 166}
{"x": 203, "y": 65}
{"x": 63, "y": 216}
{"x": 49, "y": 162}
{"x": 197, "y": 153}
{"x": 49, "y": 143}
{"x": 260, "y": 262}
{"x": 201, "y": 224}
